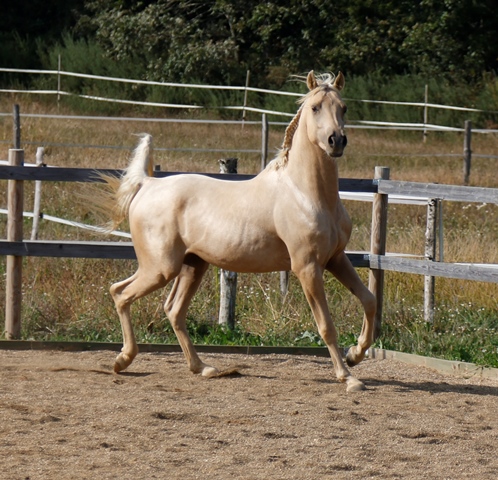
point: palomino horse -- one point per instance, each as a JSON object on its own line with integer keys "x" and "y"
{"x": 289, "y": 217}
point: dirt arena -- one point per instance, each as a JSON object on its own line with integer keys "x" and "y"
{"x": 65, "y": 416}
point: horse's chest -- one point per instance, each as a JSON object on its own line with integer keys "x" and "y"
{"x": 333, "y": 231}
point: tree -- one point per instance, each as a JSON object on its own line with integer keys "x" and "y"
{"x": 174, "y": 40}
{"x": 26, "y": 26}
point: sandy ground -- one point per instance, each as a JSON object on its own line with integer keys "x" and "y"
{"x": 64, "y": 415}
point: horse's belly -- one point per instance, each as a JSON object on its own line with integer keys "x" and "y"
{"x": 256, "y": 255}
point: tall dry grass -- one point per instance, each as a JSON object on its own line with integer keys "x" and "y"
{"x": 69, "y": 297}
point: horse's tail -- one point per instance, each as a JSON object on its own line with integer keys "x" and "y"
{"x": 121, "y": 191}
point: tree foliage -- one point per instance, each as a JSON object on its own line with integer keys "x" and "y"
{"x": 216, "y": 41}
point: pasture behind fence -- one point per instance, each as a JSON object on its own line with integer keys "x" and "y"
{"x": 466, "y": 155}
{"x": 377, "y": 260}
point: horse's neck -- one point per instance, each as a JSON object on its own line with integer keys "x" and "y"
{"x": 313, "y": 171}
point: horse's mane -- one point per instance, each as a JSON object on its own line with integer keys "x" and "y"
{"x": 325, "y": 81}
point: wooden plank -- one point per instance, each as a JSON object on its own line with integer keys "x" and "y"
{"x": 163, "y": 348}
{"x": 447, "y": 366}
{"x": 54, "y": 174}
{"x": 62, "y": 174}
{"x": 462, "y": 271}
{"x": 453, "y": 193}
{"x": 76, "y": 249}
{"x": 109, "y": 250}
{"x": 358, "y": 185}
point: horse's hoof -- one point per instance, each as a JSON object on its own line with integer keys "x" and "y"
{"x": 354, "y": 385}
{"x": 122, "y": 361}
{"x": 352, "y": 359}
{"x": 209, "y": 372}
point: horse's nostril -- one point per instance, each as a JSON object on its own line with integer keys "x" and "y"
{"x": 338, "y": 141}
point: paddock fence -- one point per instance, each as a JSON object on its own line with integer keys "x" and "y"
{"x": 380, "y": 191}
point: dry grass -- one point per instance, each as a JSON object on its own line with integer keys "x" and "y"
{"x": 69, "y": 294}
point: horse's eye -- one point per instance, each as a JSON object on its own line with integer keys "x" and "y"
{"x": 315, "y": 108}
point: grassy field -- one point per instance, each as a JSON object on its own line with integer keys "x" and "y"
{"x": 69, "y": 299}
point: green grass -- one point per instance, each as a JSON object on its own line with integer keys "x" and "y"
{"x": 467, "y": 333}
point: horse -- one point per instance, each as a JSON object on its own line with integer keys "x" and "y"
{"x": 287, "y": 218}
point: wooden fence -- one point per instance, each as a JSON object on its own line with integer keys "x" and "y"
{"x": 15, "y": 247}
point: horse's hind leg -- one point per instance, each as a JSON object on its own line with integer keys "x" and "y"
{"x": 184, "y": 288}
{"x": 344, "y": 271}
{"x": 124, "y": 294}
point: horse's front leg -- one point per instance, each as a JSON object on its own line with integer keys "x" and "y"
{"x": 344, "y": 271}
{"x": 311, "y": 278}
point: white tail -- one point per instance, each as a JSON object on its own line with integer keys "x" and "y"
{"x": 123, "y": 190}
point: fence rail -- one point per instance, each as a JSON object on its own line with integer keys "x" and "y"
{"x": 63, "y": 174}
{"x": 461, "y": 271}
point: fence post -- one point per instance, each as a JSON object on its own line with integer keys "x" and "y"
{"x": 426, "y": 113}
{"x": 440, "y": 230}
{"x": 228, "y": 280}
{"x": 284, "y": 283}
{"x": 37, "y": 202}
{"x": 13, "y": 290}
{"x": 59, "y": 65}
{"x": 248, "y": 75}
{"x": 264, "y": 141}
{"x": 378, "y": 245}
{"x": 467, "y": 152}
{"x": 430, "y": 255}
{"x": 17, "y": 127}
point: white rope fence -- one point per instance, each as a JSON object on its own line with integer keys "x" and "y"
{"x": 243, "y": 108}
{"x": 72, "y": 223}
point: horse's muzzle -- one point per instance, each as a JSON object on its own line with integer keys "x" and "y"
{"x": 338, "y": 143}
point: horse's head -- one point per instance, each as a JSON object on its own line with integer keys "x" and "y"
{"x": 324, "y": 111}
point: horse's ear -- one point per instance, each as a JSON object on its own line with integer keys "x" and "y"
{"x": 340, "y": 81}
{"x": 311, "y": 81}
